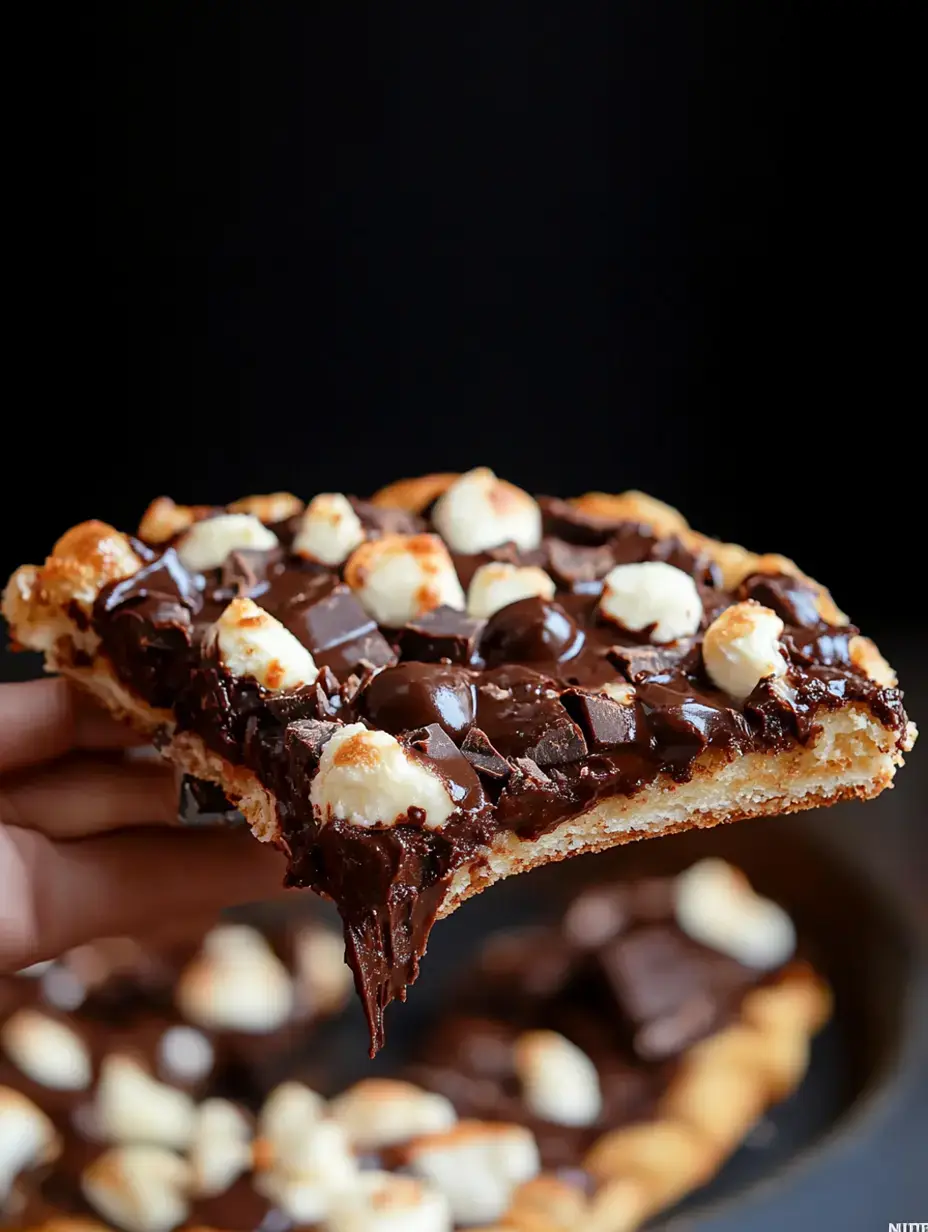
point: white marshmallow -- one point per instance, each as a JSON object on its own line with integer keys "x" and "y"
{"x": 236, "y": 983}
{"x": 559, "y": 1081}
{"x": 399, "y": 577}
{"x": 138, "y": 1188}
{"x": 498, "y": 584}
{"x": 479, "y": 511}
{"x": 185, "y": 1054}
{"x": 741, "y": 648}
{"x": 253, "y": 644}
{"x": 379, "y": 1112}
{"x": 652, "y": 593}
{"x": 208, "y": 543}
{"x": 27, "y": 1139}
{"x": 330, "y": 530}
{"x": 46, "y": 1051}
{"x": 63, "y": 988}
{"x": 367, "y": 778}
{"x": 323, "y": 978}
{"x": 289, "y": 1116}
{"x": 132, "y": 1106}
{"x": 476, "y": 1165}
{"x": 309, "y": 1165}
{"x": 384, "y": 1202}
{"x": 221, "y": 1148}
{"x": 716, "y": 906}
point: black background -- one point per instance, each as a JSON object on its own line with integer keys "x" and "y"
{"x": 594, "y": 245}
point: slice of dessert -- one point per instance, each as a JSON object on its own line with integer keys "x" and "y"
{"x": 418, "y": 695}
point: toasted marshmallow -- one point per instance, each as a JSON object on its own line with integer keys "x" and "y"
{"x": 384, "y": 1202}
{"x": 652, "y": 593}
{"x": 310, "y": 1161}
{"x": 323, "y": 978}
{"x": 236, "y": 983}
{"x": 498, "y": 584}
{"x": 221, "y": 1147}
{"x": 479, "y": 511}
{"x": 559, "y": 1081}
{"x": 633, "y": 506}
{"x": 290, "y": 1113}
{"x": 272, "y": 507}
{"x": 399, "y": 577}
{"x": 368, "y": 778}
{"x": 132, "y": 1106}
{"x": 716, "y": 906}
{"x": 138, "y": 1188}
{"x": 379, "y": 1112}
{"x": 46, "y": 1051}
{"x": 330, "y": 530}
{"x": 208, "y": 543}
{"x": 476, "y": 1165}
{"x": 27, "y": 1139}
{"x": 253, "y": 644}
{"x": 185, "y": 1054}
{"x": 741, "y": 648}
{"x": 163, "y": 520}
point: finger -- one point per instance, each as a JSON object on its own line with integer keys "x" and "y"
{"x": 42, "y": 719}
{"x": 84, "y": 795}
{"x": 55, "y": 895}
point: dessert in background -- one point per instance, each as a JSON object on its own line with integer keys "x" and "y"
{"x": 590, "y": 1074}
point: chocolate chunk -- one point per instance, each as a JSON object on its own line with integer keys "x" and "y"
{"x": 241, "y": 573}
{"x": 793, "y": 599}
{"x": 606, "y": 723}
{"x": 640, "y": 662}
{"x": 530, "y": 770}
{"x": 443, "y": 633}
{"x": 571, "y": 563}
{"x": 530, "y": 631}
{"x": 331, "y": 623}
{"x": 433, "y": 743}
{"x": 562, "y": 520}
{"x": 483, "y": 757}
{"x": 558, "y": 744}
{"x": 413, "y": 695}
{"x": 378, "y": 520}
{"x": 163, "y": 585}
{"x": 305, "y": 740}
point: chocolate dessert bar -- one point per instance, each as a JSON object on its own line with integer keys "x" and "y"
{"x": 417, "y": 695}
{"x": 592, "y": 1073}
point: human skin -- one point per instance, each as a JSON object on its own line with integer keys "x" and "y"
{"x": 89, "y": 841}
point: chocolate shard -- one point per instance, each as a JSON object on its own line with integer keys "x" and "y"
{"x": 573, "y": 563}
{"x": 640, "y": 662}
{"x": 793, "y": 599}
{"x": 559, "y": 743}
{"x": 305, "y": 740}
{"x": 334, "y": 626}
{"x": 483, "y": 756}
{"x": 433, "y": 743}
{"x": 564, "y": 521}
{"x": 606, "y": 723}
{"x": 378, "y": 520}
{"x": 529, "y": 771}
{"x": 443, "y": 633}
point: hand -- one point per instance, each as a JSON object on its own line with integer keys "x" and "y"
{"x": 86, "y": 844}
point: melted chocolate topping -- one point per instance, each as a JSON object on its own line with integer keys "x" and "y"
{"x": 517, "y": 699}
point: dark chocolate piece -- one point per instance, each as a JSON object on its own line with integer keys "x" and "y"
{"x": 571, "y": 563}
{"x": 606, "y": 723}
{"x": 306, "y": 739}
{"x": 483, "y": 757}
{"x": 793, "y": 599}
{"x": 441, "y": 634}
{"x": 413, "y": 695}
{"x": 445, "y": 757}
